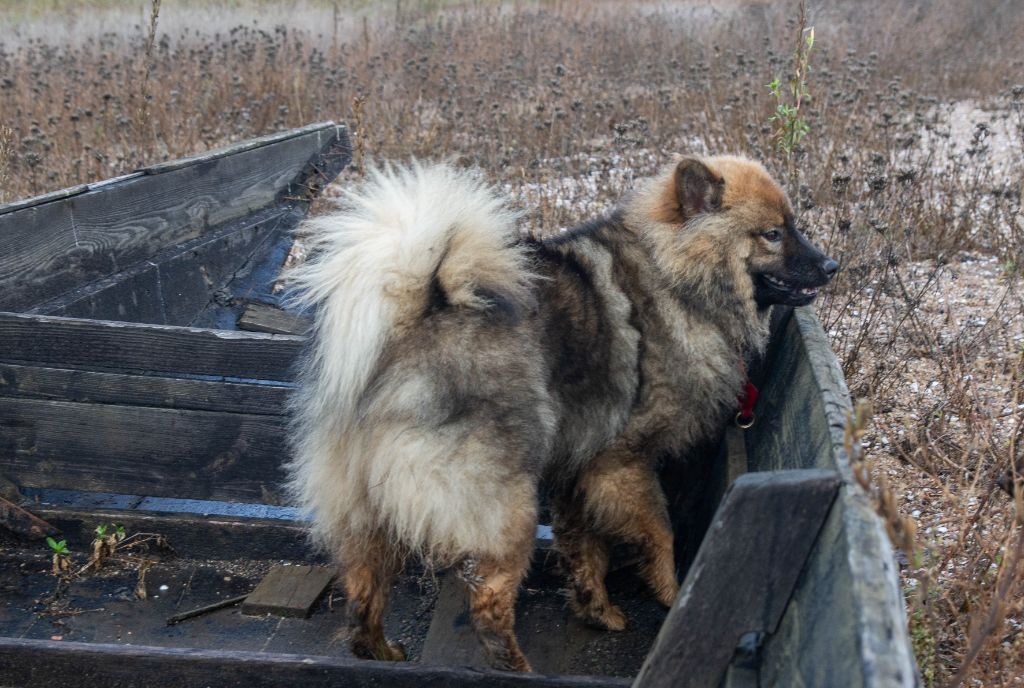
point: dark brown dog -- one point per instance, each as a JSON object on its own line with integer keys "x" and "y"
{"x": 455, "y": 366}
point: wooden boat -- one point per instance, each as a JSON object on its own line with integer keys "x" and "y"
{"x": 144, "y": 370}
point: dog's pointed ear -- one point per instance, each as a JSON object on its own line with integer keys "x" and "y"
{"x": 698, "y": 188}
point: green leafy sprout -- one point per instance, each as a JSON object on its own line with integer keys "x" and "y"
{"x": 790, "y": 125}
{"x": 787, "y": 120}
{"x": 58, "y": 547}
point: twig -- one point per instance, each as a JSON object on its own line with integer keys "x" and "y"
{"x": 994, "y": 614}
{"x": 199, "y": 611}
{"x": 19, "y": 521}
{"x": 357, "y": 114}
{"x": 154, "y": 15}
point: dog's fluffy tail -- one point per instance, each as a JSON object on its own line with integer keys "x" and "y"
{"x": 410, "y": 239}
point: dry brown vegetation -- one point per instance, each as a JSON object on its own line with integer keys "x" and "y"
{"x": 911, "y": 175}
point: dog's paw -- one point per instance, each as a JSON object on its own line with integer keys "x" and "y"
{"x": 515, "y": 661}
{"x": 386, "y": 651}
{"x": 609, "y": 618}
{"x": 613, "y": 619}
{"x": 392, "y": 652}
{"x": 666, "y": 595}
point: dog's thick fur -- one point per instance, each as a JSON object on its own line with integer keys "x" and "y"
{"x": 455, "y": 366}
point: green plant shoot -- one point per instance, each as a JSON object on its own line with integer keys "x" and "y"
{"x": 58, "y": 547}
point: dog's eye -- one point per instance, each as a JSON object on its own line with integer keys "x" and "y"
{"x": 772, "y": 235}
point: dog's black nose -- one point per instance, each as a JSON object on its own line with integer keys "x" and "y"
{"x": 829, "y": 267}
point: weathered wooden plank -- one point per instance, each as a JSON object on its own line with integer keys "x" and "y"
{"x": 254, "y": 281}
{"x": 192, "y": 286}
{"x": 196, "y": 536}
{"x": 174, "y": 285}
{"x": 43, "y": 198}
{"x": 22, "y": 522}
{"x": 451, "y": 640}
{"x": 9, "y": 490}
{"x": 51, "y": 248}
{"x": 743, "y": 576}
{"x": 791, "y": 430}
{"x": 552, "y": 638}
{"x": 58, "y": 384}
{"x": 118, "y": 346}
{"x": 817, "y": 637}
{"x": 289, "y": 591}
{"x": 261, "y": 317}
{"x": 693, "y": 489}
{"x": 47, "y": 663}
{"x": 851, "y": 573}
{"x": 734, "y": 448}
{"x": 234, "y": 148}
{"x": 141, "y": 450}
{"x": 556, "y": 642}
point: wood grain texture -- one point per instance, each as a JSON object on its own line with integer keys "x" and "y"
{"x": 141, "y": 450}
{"x": 261, "y": 317}
{"x": 289, "y": 591}
{"x": 43, "y": 198}
{"x": 847, "y": 616}
{"x": 118, "y": 347}
{"x": 53, "y": 247}
{"x": 550, "y": 635}
{"x": 235, "y": 148}
{"x": 451, "y": 640}
{"x": 176, "y": 284}
{"x": 47, "y": 663}
{"x": 743, "y": 576}
{"x": 253, "y": 281}
{"x": 58, "y": 384}
{"x": 195, "y": 536}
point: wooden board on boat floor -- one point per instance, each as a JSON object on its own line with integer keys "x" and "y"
{"x": 102, "y": 607}
{"x": 289, "y": 591}
{"x": 552, "y": 638}
{"x": 262, "y": 317}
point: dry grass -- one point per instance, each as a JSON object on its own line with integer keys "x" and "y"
{"x": 911, "y": 175}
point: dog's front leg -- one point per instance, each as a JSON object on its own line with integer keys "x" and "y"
{"x": 587, "y": 556}
{"x": 616, "y": 498}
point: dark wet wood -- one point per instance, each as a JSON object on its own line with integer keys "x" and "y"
{"x": 552, "y": 638}
{"x": 9, "y": 489}
{"x": 141, "y": 450}
{"x": 253, "y": 281}
{"x": 122, "y": 347}
{"x": 847, "y": 615}
{"x": 38, "y": 663}
{"x": 198, "y": 536}
{"x": 102, "y": 609}
{"x": 251, "y": 651}
{"x": 734, "y": 448}
{"x": 743, "y": 576}
{"x": 261, "y": 317}
{"x": 451, "y": 640}
{"x": 72, "y": 239}
{"x": 289, "y": 591}
{"x": 61, "y": 384}
{"x": 174, "y": 286}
